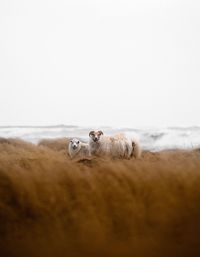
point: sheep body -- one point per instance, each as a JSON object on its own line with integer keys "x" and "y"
{"x": 118, "y": 146}
{"x": 136, "y": 148}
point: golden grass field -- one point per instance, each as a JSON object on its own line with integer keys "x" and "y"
{"x": 51, "y": 206}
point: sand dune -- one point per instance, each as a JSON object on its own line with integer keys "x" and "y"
{"x": 52, "y": 206}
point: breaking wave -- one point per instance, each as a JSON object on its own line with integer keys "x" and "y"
{"x": 154, "y": 139}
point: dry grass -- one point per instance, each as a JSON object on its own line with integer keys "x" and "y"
{"x": 51, "y": 206}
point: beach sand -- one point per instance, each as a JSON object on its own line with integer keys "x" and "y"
{"x": 54, "y": 207}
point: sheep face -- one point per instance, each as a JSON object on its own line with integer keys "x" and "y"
{"x": 74, "y": 143}
{"x": 95, "y": 135}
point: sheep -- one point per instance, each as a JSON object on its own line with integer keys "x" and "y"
{"x": 78, "y": 149}
{"x": 118, "y": 146}
{"x": 136, "y": 148}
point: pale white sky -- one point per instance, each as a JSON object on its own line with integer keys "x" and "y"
{"x": 104, "y": 62}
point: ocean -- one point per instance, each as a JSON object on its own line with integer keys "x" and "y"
{"x": 153, "y": 139}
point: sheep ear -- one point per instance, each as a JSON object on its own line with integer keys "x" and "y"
{"x": 100, "y": 132}
{"x": 91, "y": 133}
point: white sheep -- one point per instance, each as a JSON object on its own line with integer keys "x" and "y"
{"x": 78, "y": 149}
{"x": 136, "y": 148}
{"x": 118, "y": 146}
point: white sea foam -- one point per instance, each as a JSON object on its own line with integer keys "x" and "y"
{"x": 153, "y": 139}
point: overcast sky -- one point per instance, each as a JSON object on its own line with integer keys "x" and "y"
{"x": 100, "y": 62}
